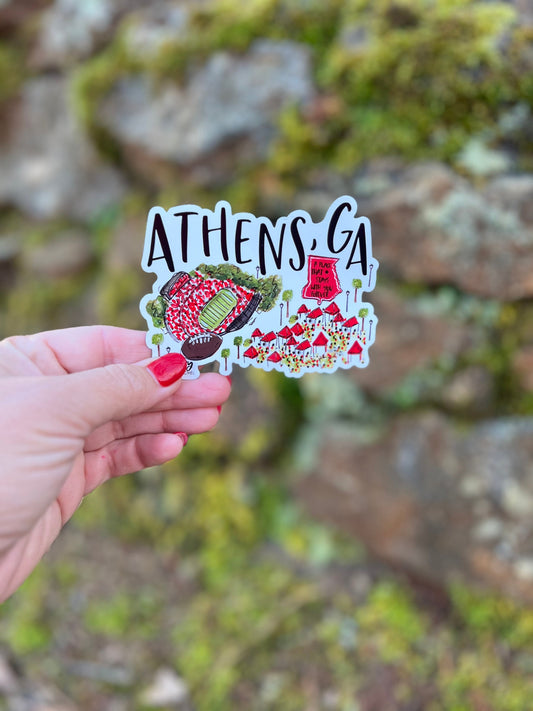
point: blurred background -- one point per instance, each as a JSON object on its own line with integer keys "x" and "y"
{"x": 361, "y": 541}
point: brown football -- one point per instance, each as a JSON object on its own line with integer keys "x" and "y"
{"x": 201, "y": 346}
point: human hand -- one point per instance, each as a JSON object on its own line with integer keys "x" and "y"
{"x": 77, "y": 407}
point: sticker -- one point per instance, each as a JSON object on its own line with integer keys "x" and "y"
{"x": 240, "y": 290}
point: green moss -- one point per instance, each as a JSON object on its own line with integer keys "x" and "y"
{"x": 93, "y": 80}
{"x": 33, "y": 303}
{"x": 118, "y": 297}
{"x": 390, "y": 622}
{"x": 124, "y": 615}
{"x": 224, "y": 633}
{"x": 486, "y": 616}
{"x": 419, "y": 84}
{"x": 221, "y": 26}
{"x": 24, "y": 622}
{"x": 12, "y": 72}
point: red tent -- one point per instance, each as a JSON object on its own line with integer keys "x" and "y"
{"x": 297, "y": 329}
{"x": 338, "y": 318}
{"x": 285, "y": 332}
{"x": 275, "y": 357}
{"x": 303, "y": 309}
{"x": 257, "y": 333}
{"x": 320, "y": 340}
{"x": 351, "y": 322}
{"x": 356, "y": 349}
{"x": 315, "y": 313}
{"x": 251, "y": 353}
{"x": 292, "y": 341}
{"x": 303, "y": 346}
{"x": 332, "y": 309}
{"x": 269, "y": 337}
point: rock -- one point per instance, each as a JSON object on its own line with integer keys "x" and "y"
{"x": 524, "y": 10}
{"x": 157, "y": 24}
{"x": 478, "y": 159}
{"x": 250, "y": 420}
{"x": 67, "y": 255}
{"x": 48, "y": 168}
{"x": 71, "y": 30}
{"x": 403, "y": 495}
{"x": 523, "y": 366}
{"x": 103, "y": 673}
{"x": 407, "y": 338}
{"x": 167, "y": 689}
{"x": 126, "y": 245}
{"x": 354, "y": 38}
{"x": 224, "y": 115}
{"x": 40, "y": 697}
{"x": 470, "y": 390}
{"x": 9, "y": 253}
{"x": 433, "y": 227}
{"x": 14, "y": 14}
{"x": 9, "y": 679}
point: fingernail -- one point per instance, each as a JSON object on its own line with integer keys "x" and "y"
{"x": 184, "y": 438}
{"x": 229, "y": 378}
{"x": 168, "y": 368}
{"x": 219, "y": 408}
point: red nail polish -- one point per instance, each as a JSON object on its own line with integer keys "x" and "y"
{"x": 184, "y": 438}
{"x": 229, "y": 378}
{"x": 168, "y": 368}
{"x": 219, "y": 408}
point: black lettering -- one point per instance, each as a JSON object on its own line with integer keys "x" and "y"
{"x": 265, "y": 234}
{"x": 333, "y": 226}
{"x": 159, "y": 233}
{"x": 296, "y": 238}
{"x": 239, "y": 239}
{"x": 223, "y": 229}
{"x": 360, "y": 239}
{"x": 184, "y": 233}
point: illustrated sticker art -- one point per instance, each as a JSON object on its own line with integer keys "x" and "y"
{"x": 241, "y": 290}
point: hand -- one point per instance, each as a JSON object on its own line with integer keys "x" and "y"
{"x": 77, "y": 407}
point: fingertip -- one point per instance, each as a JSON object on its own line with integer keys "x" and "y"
{"x": 218, "y": 385}
{"x": 169, "y": 446}
{"x": 168, "y": 369}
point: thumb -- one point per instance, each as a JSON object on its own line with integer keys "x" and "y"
{"x": 94, "y": 397}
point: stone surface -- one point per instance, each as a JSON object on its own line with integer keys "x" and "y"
{"x": 440, "y": 501}
{"x": 9, "y": 253}
{"x": 523, "y": 366}
{"x": 71, "y": 30}
{"x": 470, "y": 390}
{"x": 250, "y": 419}
{"x": 126, "y": 245}
{"x": 524, "y": 9}
{"x": 14, "y": 13}
{"x": 9, "y": 679}
{"x": 66, "y": 255}
{"x": 433, "y": 227}
{"x": 167, "y": 689}
{"x": 157, "y": 24}
{"x": 407, "y": 338}
{"x": 224, "y": 115}
{"x": 48, "y": 168}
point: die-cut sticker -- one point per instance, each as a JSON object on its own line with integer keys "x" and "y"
{"x": 240, "y": 290}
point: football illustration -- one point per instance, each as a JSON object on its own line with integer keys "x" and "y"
{"x": 201, "y": 346}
